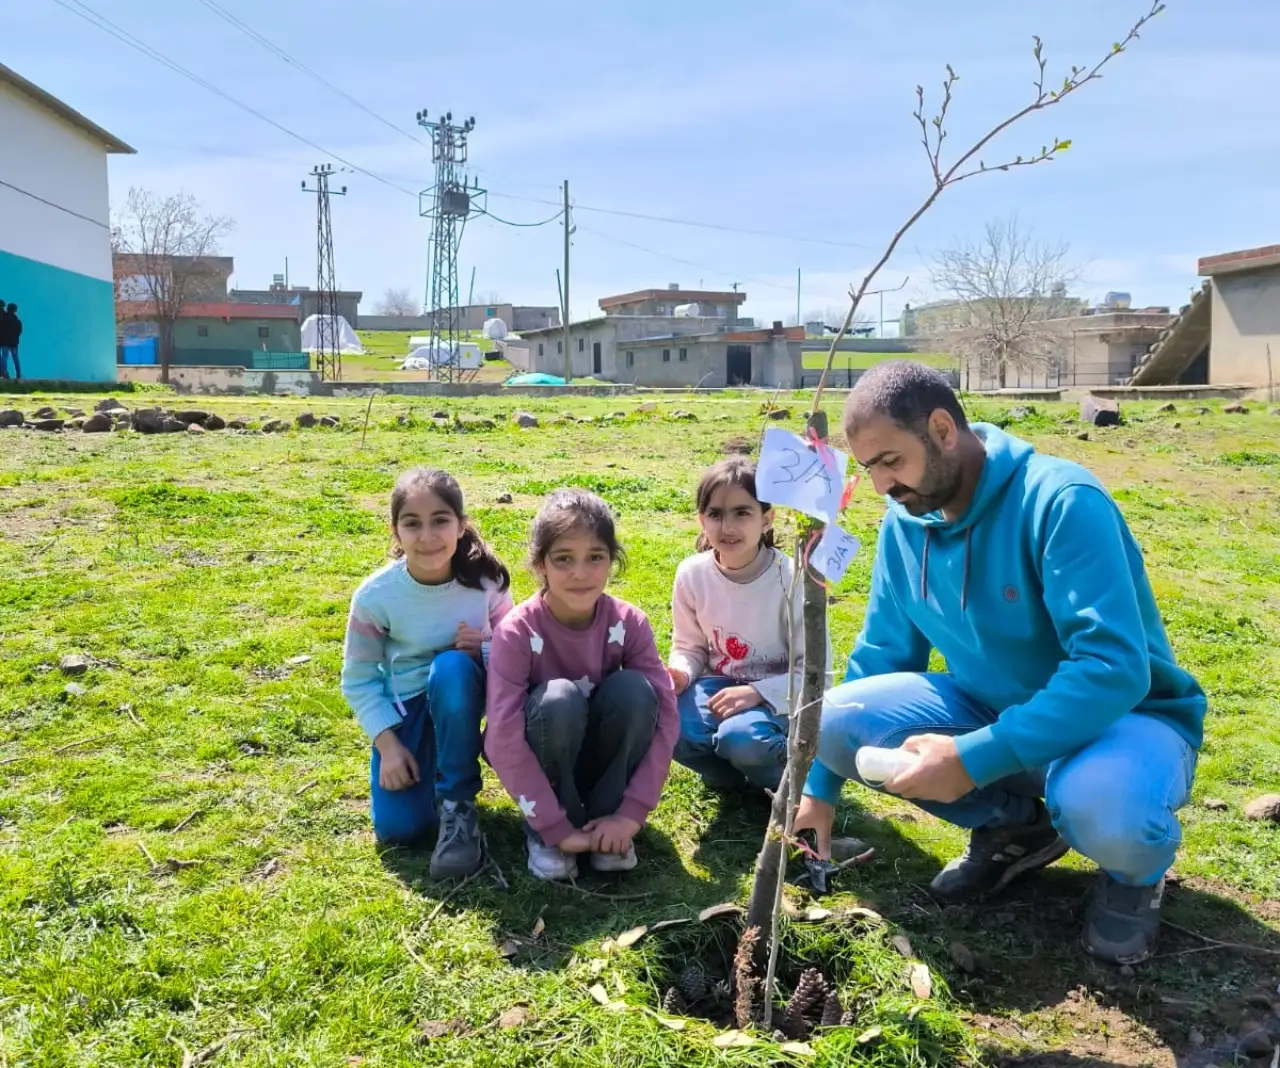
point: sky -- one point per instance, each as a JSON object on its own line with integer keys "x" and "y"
{"x": 788, "y": 136}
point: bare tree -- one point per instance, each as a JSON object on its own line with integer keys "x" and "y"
{"x": 765, "y": 904}
{"x": 162, "y": 244}
{"x": 1004, "y": 289}
{"x": 398, "y": 303}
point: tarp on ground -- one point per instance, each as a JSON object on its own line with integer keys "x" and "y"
{"x": 537, "y": 378}
{"x": 348, "y": 343}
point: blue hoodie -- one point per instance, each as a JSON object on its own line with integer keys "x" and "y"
{"x": 1038, "y": 600}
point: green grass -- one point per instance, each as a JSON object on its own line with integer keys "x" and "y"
{"x": 860, "y": 361}
{"x": 197, "y": 571}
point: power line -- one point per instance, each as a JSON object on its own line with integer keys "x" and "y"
{"x": 51, "y": 204}
{"x": 271, "y": 46}
{"x": 698, "y": 224}
{"x": 506, "y": 222}
{"x": 84, "y": 11}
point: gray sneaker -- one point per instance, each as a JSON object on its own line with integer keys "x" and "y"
{"x": 1123, "y": 922}
{"x": 458, "y": 849}
{"x": 997, "y": 856}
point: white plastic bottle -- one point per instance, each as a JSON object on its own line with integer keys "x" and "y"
{"x": 876, "y": 765}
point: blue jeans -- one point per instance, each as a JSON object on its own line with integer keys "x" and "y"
{"x": 441, "y": 728}
{"x": 1114, "y": 800}
{"x": 750, "y": 747}
{"x": 7, "y": 353}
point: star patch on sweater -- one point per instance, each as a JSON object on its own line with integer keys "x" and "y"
{"x": 527, "y": 806}
{"x": 617, "y": 633}
{"x": 535, "y": 643}
{"x": 585, "y": 686}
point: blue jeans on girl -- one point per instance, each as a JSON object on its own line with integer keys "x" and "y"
{"x": 1113, "y": 801}
{"x": 441, "y": 729}
{"x": 749, "y": 748}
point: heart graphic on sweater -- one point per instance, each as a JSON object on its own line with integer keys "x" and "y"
{"x": 737, "y": 648}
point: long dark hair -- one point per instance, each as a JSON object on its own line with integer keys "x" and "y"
{"x": 569, "y": 511}
{"x": 734, "y": 471}
{"x": 473, "y": 560}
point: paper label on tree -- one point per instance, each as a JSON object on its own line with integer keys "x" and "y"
{"x": 834, "y": 553}
{"x": 795, "y": 474}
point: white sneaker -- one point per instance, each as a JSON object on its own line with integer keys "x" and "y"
{"x": 613, "y": 862}
{"x": 550, "y": 863}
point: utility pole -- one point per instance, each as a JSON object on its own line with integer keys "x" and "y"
{"x": 328, "y": 343}
{"x": 568, "y": 230}
{"x": 798, "y": 320}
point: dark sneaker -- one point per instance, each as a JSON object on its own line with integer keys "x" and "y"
{"x": 1123, "y": 922}
{"x": 458, "y": 849}
{"x": 996, "y": 857}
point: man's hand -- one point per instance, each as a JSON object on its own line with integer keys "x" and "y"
{"x": 468, "y": 640}
{"x": 397, "y": 768}
{"x": 817, "y": 816}
{"x": 612, "y": 834}
{"x": 679, "y": 680}
{"x": 732, "y": 700}
{"x": 938, "y": 774}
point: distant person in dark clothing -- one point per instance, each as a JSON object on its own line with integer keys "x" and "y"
{"x": 10, "y": 335}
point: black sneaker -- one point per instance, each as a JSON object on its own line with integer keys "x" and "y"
{"x": 458, "y": 850}
{"x": 1123, "y": 922}
{"x": 995, "y": 857}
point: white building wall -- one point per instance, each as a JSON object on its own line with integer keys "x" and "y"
{"x": 45, "y": 155}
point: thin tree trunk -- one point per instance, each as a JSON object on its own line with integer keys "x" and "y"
{"x": 803, "y": 746}
{"x": 166, "y": 352}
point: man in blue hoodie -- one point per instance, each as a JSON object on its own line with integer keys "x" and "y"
{"x": 1062, "y": 720}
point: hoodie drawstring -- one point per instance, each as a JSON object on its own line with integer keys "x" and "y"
{"x": 964, "y": 580}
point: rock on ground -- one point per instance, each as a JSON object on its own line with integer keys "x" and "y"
{"x": 74, "y": 664}
{"x": 98, "y": 423}
{"x": 306, "y": 420}
{"x": 525, "y": 419}
{"x": 1266, "y": 807}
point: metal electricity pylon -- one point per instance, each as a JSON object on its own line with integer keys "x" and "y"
{"x": 448, "y": 204}
{"x": 328, "y": 342}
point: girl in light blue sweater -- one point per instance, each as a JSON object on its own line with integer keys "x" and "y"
{"x": 412, "y": 671}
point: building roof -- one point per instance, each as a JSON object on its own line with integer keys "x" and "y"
{"x": 560, "y": 329}
{"x": 1250, "y": 259}
{"x": 239, "y": 311}
{"x": 683, "y": 296}
{"x": 64, "y": 111}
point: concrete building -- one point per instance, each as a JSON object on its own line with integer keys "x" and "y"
{"x": 55, "y": 236}
{"x": 204, "y": 278}
{"x": 711, "y": 304}
{"x": 301, "y": 297}
{"x": 1101, "y": 348}
{"x": 518, "y": 317}
{"x": 222, "y": 334}
{"x": 1229, "y": 332}
{"x": 665, "y": 351}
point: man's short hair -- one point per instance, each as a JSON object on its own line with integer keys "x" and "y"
{"x": 906, "y": 392}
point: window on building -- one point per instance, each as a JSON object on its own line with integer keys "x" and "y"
{"x": 490, "y": 312}
{"x": 631, "y": 359}
{"x": 202, "y": 331}
{"x": 582, "y": 344}
{"x": 264, "y": 331}
{"x": 560, "y": 348}
{"x": 684, "y": 355}
{"x": 540, "y": 348}
{"x": 666, "y": 355}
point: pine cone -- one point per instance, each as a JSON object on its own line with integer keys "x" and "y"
{"x": 693, "y": 983}
{"x": 832, "y": 1010}
{"x": 810, "y": 992}
{"x": 673, "y": 1002}
{"x": 793, "y": 1024}
{"x": 850, "y": 1018}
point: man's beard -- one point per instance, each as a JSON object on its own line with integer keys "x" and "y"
{"x": 938, "y": 486}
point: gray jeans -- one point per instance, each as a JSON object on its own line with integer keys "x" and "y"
{"x": 589, "y": 747}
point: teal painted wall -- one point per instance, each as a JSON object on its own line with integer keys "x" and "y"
{"x": 68, "y": 321}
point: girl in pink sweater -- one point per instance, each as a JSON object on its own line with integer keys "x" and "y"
{"x": 581, "y": 715}
{"x": 733, "y": 628}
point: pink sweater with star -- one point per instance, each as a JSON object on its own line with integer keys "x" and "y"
{"x": 530, "y": 646}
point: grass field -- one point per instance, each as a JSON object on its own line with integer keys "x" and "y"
{"x": 385, "y": 350}
{"x": 186, "y": 863}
